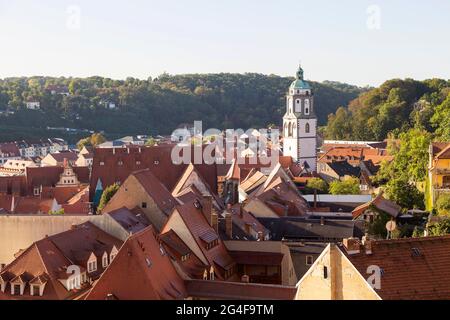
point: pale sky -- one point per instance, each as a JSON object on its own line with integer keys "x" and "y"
{"x": 355, "y": 41}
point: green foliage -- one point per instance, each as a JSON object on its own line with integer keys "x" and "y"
{"x": 94, "y": 140}
{"x": 108, "y": 193}
{"x": 396, "y": 106}
{"x": 57, "y": 213}
{"x": 158, "y": 106}
{"x": 404, "y": 194}
{"x": 150, "y": 142}
{"x": 439, "y": 228}
{"x": 377, "y": 227}
{"x": 317, "y": 184}
{"x": 349, "y": 186}
{"x": 410, "y": 154}
{"x": 443, "y": 204}
{"x": 441, "y": 120}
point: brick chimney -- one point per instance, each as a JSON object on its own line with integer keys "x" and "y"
{"x": 260, "y": 236}
{"x": 352, "y": 245}
{"x": 207, "y": 207}
{"x": 367, "y": 244}
{"x": 215, "y": 221}
{"x": 229, "y": 224}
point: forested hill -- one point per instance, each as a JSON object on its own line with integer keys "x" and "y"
{"x": 154, "y": 106}
{"x": 396, "y": 106}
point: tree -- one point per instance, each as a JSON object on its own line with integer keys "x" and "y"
{"x": 94, "y": 140}
{"x": 405, "y": 194}
{"x": 443, "y": 204}
{"x": 84, "y": 143}
{"x": 97, "y": 139}
{"x": 108, "y": 193}
{"x": 317, "y": 184}
{"x": 441, "y": 120}
{"x": 349, "y": 186}
{"x": 150, "y": 142}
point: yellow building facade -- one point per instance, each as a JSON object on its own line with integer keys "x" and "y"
{"x": 438, "y": 172}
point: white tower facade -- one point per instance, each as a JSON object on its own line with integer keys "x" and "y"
{"x": 300, "y": 124}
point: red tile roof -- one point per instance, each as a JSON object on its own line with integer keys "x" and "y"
{"x": 50, "y": 257}
{"x": 380, "y": 203}
{"x": 157, "y": 159}
{"x": 411, "y": 269}
{"x": 199, "y": 227}
{"x": 136, "y": 273}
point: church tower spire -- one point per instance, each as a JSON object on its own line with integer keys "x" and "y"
{"x": 300, "y": 123}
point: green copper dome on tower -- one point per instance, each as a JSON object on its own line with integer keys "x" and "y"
{"x": 299, "y": 82}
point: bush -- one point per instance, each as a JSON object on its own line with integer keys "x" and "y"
{"x": 443, "y": 204}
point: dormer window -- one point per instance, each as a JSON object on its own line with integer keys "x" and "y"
{"x": 120, "y": 163}
{"x": 92, "y": 264}
{"x": 37, "y": 191}
{"x": 185, "y": 257}
{"x": 113, "y": 254}
{"x": 35, "y": 290}
{"x": 156, "y": 162}
{"x": 105, "y": 260}
{"x": 138, "y": 163}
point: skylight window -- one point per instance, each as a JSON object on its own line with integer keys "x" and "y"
{"x": 149, "y": 262}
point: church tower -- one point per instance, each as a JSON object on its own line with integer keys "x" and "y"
{"x": 300, "y": 124}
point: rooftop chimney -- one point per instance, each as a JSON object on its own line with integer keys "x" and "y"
{"x": 207, "y": 206}
{"x": 215, "y": 221}
{"x": 367, "y": 243}
{"x": 260, "y": 236}
{"x": 245, "y": 279}
{"x": 352, "y": 245}
{"x": 229, "y": 224}
{"x": 315, "y": 199}
{"x": 322, "y": 221}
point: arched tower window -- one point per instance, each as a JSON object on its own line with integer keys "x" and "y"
{"x": 290, "y": 130}
{"x": 307, "y": 128}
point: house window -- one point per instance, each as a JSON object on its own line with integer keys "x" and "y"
{"x": 35, "y": 290}
{"x": 92, "y": 266}
{"x": 16, "y": 289}
{"x": 102, "y": 163}
{"x": 120, "y": 163}
{"x": 138, "y": 163}
{"x": 105, "y": 261}
{"x": 156, "y": 162}
{"x": 325, "y": 272}
{"x": 144, "y": 205}
{"x": 307, "y": 128}
{"x": 112, "y": 256}
{"x": 37, "y": 191}
{"x": 309, "y": 260}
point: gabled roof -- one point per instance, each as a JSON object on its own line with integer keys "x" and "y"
{"x": 130, "y": 221}
{"x": 380, "y": 203}
{"x": 48, "y": 259}
{"x": 157, "y": 191}
{"x": 136, "y": 273}
{"x": 411, "y": 268}
{"x": 199, "y": 228}
{"x": 343, "y": 168}
{"x": 157, "y": 159}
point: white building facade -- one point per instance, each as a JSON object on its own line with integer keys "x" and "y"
{"x": 300, "y": 124}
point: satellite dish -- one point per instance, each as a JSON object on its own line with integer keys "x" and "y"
{"x": 391, "y": 226}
